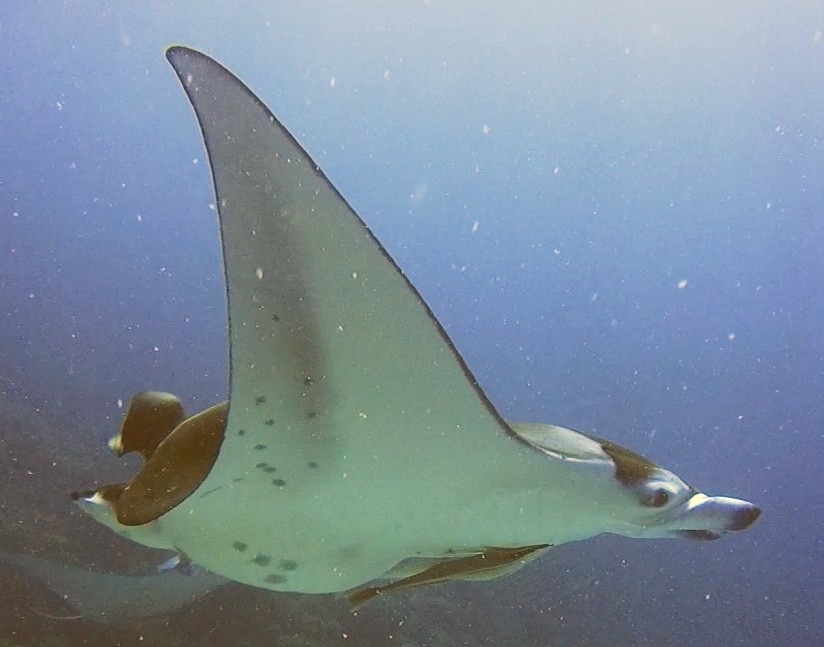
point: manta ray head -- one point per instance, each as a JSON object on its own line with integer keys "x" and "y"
{"x": 627, "y": 494}
{"x": 670, "y": 507}
{"x": 684, "y": 512}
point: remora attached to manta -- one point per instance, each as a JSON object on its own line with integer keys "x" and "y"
{"x": 356, "y": 450}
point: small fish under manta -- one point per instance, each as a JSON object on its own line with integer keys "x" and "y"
{"x": 356, "y": 453}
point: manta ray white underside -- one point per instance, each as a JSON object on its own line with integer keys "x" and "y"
{"x": 356, "y": 447}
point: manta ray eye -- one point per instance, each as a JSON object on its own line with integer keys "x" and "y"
{"x": 657, "y": 499}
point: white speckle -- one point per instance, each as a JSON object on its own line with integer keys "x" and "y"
{"x": 189, "y": 79}
{"x": 556, "y": 251}
{"x": 354, "y": 275}
{"x": 769, "y": 205}
{"x": 594, "y": 296}
{"x": 340, "y": 328}
{"x": 485, "y": 129}
{"x": 682, "y": 284}
{"x": 707, "y": 596}
{"x": 386, "y": 75}
{"x": 731, "y": 336}
{"x": 259, "y": 273}
{"x": 556, "y": 170}
{"x": 740, "y": 417}
{"x": 475, "y": 226}
{"x": 362, "y": 415}
{"x": 195, "y": 161}
{"x": 332, "y": 82}
{"x": 156, "y": 349}
{"x": 139, "y": 218}
{"x": 119, "y": 403}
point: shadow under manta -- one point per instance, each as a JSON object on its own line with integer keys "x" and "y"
{"x": 105, "y": 597}
{"x": 356, "y": 451}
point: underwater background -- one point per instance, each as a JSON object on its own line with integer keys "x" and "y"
{"x": 614, "y": 208}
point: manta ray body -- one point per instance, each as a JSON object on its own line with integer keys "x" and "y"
{"x": 356, "y": 451}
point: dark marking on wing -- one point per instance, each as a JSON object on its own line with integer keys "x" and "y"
{"x": 214, "y": 489}
{"x": 288, "y": 565}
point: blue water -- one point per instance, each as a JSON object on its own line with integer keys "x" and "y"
{"x": 616, "y": 213}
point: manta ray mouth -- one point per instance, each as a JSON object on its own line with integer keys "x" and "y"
{"x": 706, "y": 518}
{"x": 745, "y": 517}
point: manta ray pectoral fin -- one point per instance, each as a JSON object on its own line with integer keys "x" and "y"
{"x": 488, "y": 565}
{"x": 176, "y": 468}
{"x": 150, "y": 418}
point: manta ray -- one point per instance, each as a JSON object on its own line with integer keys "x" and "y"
{"x": 357, "y": 452}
